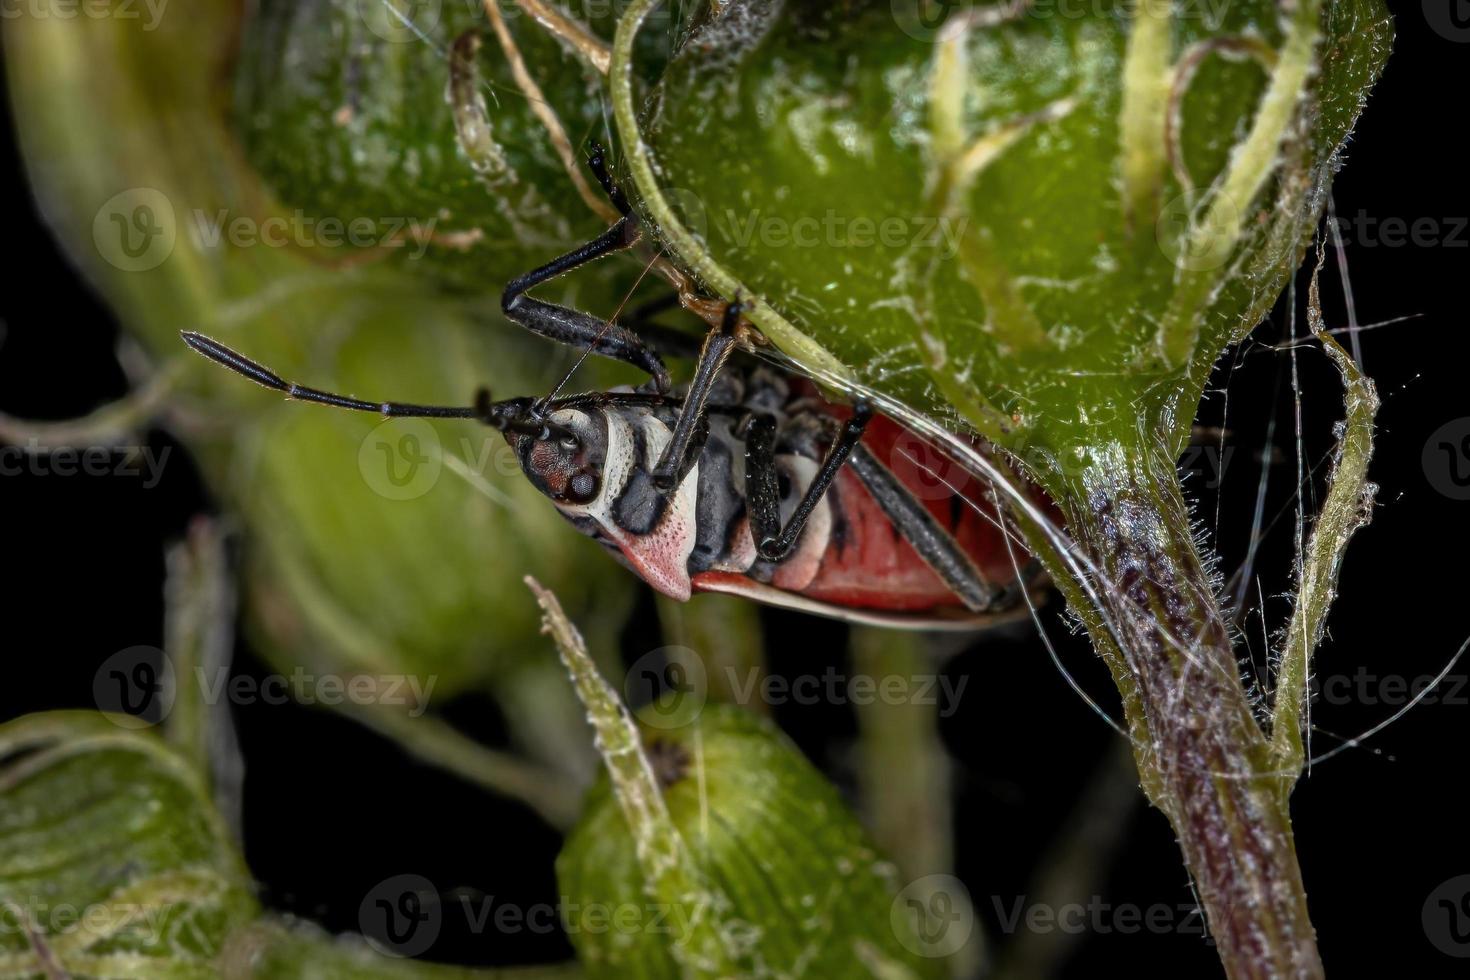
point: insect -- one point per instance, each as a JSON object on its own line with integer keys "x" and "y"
{"x": 744, "y": 481}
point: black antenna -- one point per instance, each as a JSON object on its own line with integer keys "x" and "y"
{"x": 240, "y": 364}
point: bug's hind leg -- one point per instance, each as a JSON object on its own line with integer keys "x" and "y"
{"x": 762, "y": 481}
{"x": 936, "y": 546}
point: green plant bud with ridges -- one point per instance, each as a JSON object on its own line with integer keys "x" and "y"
{"x": 797, "y": 879}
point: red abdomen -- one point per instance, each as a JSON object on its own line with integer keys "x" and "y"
{"x": 869, "y": 564}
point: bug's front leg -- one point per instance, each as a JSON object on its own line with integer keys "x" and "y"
{"x": 581, "y": 330}
{"x": 762, "y": 481}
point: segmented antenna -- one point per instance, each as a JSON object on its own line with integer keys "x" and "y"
{"x": 261, "y": 375}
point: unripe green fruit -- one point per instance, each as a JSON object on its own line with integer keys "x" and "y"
{"x": 807, "y": 893}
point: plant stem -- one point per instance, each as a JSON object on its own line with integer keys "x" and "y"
{"x": 1200, "y": 751}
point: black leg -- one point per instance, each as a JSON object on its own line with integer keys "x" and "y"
{"x": 577, "y": 329}
{"x": 597, "y": 163}
{"x": 918, "y": 527}
{"x": 762, "y": 482}
{"x": 684, "y": 445}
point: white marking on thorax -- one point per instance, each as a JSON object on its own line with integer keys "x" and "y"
{"x": 661, "y": 556}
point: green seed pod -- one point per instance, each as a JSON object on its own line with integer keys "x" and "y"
{"x": 466, "y": 122}
{"x": 793, "y": 882}
{"x": 1049, "y": 221}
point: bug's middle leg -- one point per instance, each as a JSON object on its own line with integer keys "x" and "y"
{"x": 762, "y": 481}
{"x": 690, "y": 429}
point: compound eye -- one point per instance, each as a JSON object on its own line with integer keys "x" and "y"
{"x": 582, "y": 488}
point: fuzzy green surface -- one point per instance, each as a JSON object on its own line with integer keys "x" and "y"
{"x": 821, "y": 118}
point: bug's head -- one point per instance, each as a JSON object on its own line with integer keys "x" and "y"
{"x": 562, "y": 451}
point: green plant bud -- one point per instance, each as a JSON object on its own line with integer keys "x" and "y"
{"x": 1051, "y": 222}
{"x": 112, "y": 859}
{"x": 792, "y": 879}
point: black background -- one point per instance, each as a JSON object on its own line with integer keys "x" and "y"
{"x": 331, "y": 810}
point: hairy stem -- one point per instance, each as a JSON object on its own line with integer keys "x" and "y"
{"x": 1204, "y": 757}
